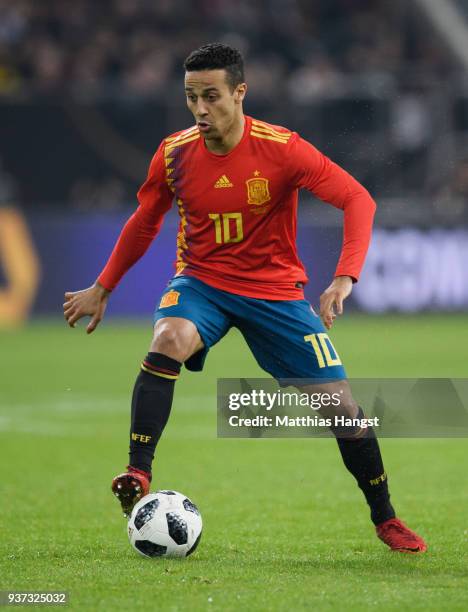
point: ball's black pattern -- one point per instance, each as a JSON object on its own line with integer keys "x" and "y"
{"x": 146, "y": 513}
{"x": 167, "y": 492}
{"x": 194, "y": 545}
{"x": 150, "y": 548}
{"x": 177, "y": 528}
{"x": 190, "y": 506}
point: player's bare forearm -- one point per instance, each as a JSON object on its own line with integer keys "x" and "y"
{"x": 331, "y": 300}
{"x": 90, "y": 302}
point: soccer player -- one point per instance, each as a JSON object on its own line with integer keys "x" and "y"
{"x": 235, "y": 181}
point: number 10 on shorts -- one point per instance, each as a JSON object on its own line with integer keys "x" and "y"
{"x": 323, "y": 348}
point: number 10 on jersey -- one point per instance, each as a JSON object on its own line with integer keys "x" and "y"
{"x": 225, "y": 223}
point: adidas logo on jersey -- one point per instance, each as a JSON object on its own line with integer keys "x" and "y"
{"x": 223, "y": 181}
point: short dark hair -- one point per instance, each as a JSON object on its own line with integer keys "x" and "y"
{"x": 215, "y": 56}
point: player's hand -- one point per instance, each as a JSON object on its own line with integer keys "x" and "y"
{"x": 333, "y": 297}
{"x": 90, "y": 302}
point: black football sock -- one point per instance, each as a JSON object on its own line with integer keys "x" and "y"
{"x": 361, "y": 455}
{"x": 151, "y": 406}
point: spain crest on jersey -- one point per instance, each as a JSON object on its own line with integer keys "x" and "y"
{"x": 171, "y": 298}
{"x": 257, "y": 191}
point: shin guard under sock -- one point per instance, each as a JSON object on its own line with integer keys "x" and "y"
{"x": 151, "y": 406}
{"x": 361, "y": 456}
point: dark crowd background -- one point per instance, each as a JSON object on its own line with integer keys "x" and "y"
{"x": 88, "y": 89}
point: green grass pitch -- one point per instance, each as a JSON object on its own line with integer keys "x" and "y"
{"x": 284, "y": 525}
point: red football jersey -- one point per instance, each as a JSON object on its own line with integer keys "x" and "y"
{"x": 238, "y": 211}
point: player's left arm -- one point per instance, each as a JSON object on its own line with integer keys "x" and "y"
{"x": 332, "y": 184}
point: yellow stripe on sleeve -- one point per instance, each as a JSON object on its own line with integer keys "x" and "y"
{"x": 269, "y": 137}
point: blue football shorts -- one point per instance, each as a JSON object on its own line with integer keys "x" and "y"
{"x": 286, "y": 337}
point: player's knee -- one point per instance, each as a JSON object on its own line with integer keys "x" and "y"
{"x": 172, "y": 341}
{"x": 167, "y": 339}
{"x": 348, "y": 409}
{"x": 346, "y": 406}
{"x": 343, "y": 404}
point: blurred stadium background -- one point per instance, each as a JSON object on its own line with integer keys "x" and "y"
{"x": 88, "y": 89}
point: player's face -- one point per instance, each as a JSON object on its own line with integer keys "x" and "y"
{"x": 212, "y": 102}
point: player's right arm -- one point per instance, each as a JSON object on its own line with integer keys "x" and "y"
{"x": 155, "y": 199}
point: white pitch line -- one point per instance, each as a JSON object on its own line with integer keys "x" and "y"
{"x": 44, "y": 418}
{"x": 199, "y": 403}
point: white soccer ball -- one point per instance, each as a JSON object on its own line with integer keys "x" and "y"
{"x": 165, "y": 524}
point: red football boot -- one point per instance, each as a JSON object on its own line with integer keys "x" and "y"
{"x": 399, "y": 537}
{"x": 130, "y": 487}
